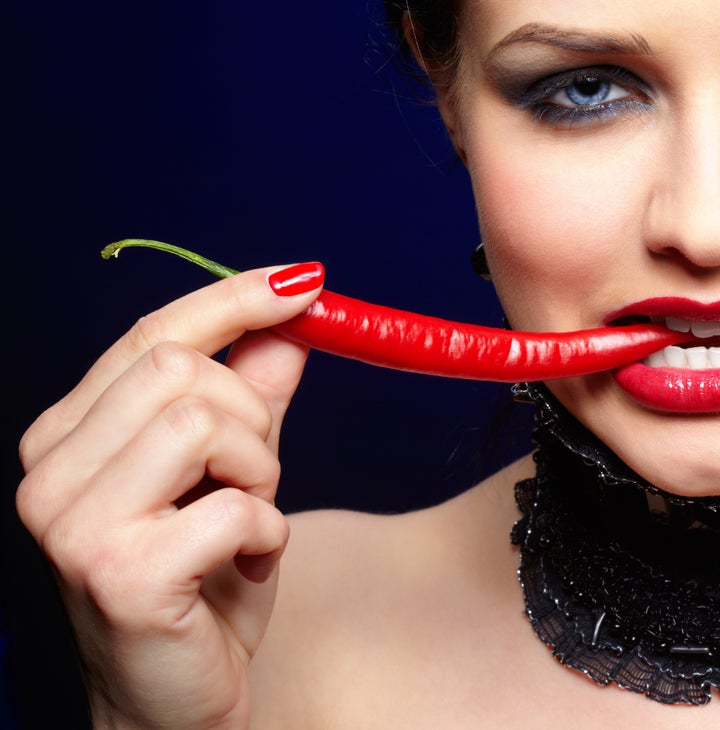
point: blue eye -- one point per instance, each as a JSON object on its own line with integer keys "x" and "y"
{"x": 586, "y": 92}
{"x": 582, "y": 96}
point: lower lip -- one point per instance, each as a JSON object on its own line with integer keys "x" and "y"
{"x": 671, "y": 389}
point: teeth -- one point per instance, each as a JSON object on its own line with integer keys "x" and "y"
{"x": 656, "y": 360}
{"x": 691, "y": 358}
{"x": 706, "y": 329}
{"x": 675, "y": 357}
{"x": 697, "y": 358}
{"x": 678, "y": 325}
{"x": 699, "y": 329}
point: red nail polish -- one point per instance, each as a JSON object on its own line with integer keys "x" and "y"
{"x": 297, "y": 279}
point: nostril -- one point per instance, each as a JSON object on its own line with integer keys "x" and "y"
{"x": 697, "y": 260}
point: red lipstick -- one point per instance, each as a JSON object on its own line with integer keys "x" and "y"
{"x": 671, "y": 389}
{"x": 678, "y": 390}
{"x": 680, "y": 307}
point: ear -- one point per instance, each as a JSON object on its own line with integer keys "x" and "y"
{"x": 441, "y": 84}
{"x": 447, "y": 104}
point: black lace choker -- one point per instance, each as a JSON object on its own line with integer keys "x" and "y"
{"x": 621, "y": 579}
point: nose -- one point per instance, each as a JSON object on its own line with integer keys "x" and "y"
{"x": 683, "y": 219}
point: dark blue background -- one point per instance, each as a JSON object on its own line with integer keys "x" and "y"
{"x": 255, "y": 135}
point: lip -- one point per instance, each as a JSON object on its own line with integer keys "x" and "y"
{"x": 674, "y": 390}
{"x": 671, "y": 389}
{"x": 668, "y": 307}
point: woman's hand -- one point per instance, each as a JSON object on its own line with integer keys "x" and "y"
{"x": 150, "y": 488}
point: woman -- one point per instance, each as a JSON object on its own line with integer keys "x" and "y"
{"x": 590, "y": 134}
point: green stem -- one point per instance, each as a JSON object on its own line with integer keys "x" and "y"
{"x": 222, "y": 272}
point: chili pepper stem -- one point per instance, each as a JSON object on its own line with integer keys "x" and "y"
{"x": 222, "y": 272}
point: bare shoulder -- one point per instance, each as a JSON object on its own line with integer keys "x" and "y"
{"x": 365, "y": 599}
{"x": 342, "y": 563}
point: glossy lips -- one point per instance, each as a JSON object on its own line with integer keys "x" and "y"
{"x": 677, "y": 379}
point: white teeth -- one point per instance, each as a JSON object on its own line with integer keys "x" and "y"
{"x": 675, "y": 357}
{"x": 656, "y": 360}
{"x": 699, "y": 329}
{"x": 678, "y": 325}
{"x": 697, "y": 357}
{"x": 691, "y": 358}
{"x": 706, "y": 329}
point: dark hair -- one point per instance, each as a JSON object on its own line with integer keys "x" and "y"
{"x": 434, "y": 25}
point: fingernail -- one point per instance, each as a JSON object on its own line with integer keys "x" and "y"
{"x": 297, "y": 279}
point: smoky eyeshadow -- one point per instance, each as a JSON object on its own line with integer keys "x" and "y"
{"x": 513, "y": 71}
{"x": 527, "y": 77}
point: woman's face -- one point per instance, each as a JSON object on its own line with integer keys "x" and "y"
{"x": 591, "y": 131}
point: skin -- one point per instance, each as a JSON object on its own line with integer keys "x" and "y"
{"x": 150, "y": 485}
{"x": 611, "y": 212}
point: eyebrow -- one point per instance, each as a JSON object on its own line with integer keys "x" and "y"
{"x": 572, "y": 40}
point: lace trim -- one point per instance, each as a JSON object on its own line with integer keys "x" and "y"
{"x": 621, "y": 592}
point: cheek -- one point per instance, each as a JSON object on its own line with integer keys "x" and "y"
{"x": 554, "y": 228}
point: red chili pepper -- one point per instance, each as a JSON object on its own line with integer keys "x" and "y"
{"x": 406, "y": 341}
{"x": 417, "y": 343}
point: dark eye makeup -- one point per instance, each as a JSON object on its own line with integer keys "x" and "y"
{"x": 580, "y": 96}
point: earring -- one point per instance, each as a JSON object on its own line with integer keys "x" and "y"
{"x": 479, "y": 263}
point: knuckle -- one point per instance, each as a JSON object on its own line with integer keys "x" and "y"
{"x": 193, "y": 418}
{"x": 28, "y": 504}
{"x": 230, "y": 506}
{"x": 271, "y": 478}
{"x": 39, "y": 496}
{"x": 281, "y": 527}
{"x": 147, "y": 332}
{"x": 29, "y": 446}
{"x": 263, "y": 419}
{"x": 175, "y": 363}
{"x": 65, "y": 548}
{"x": 269, "y": 526}
{"x": 45, "y": 430}
{"x": 266, "y": 478}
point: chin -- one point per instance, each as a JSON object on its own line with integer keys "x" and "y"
{"x": 677, "y": 452}
{"x": 685, "y": 476}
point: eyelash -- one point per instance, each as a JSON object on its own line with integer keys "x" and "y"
{"x": 536, "y": 97}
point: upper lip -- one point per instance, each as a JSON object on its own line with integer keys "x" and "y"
{"x": 668, "y": 307}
